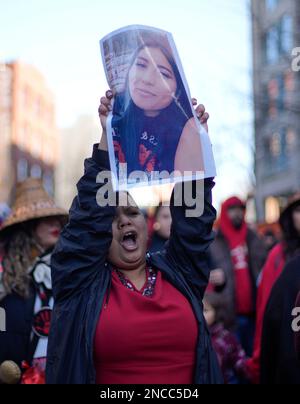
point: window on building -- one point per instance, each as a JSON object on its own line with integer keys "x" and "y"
{"x": 286, "y": 34}
{"x": 290, "y": 140}
{"x": 275, "y": 145}
{"x": 49, "y": 182}
{"x": 279, "y": 40}
{"x": 289, "y": 88}
{"x": 289, "y": 81}
{"x": 36, "y": 171}
{"x": 277, "y": 95}
{"x": 271, "y": 4}
{"x": 272, "y": 45}
{"x": 272, "y": 209}
{"x": 273, "y": 92}
{"x": 277, "y": 156}
{"x": 22, "y": 169}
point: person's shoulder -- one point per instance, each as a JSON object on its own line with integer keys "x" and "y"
{"x": 288, "y": 283}
{"x": 253, "y": 235}
{"x": 274, "y": 260}
{"x": 293, "y": 266}
{"x": 276, "y": 252}
{"x": 220, "y": 238}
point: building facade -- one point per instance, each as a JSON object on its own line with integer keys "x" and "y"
{"x": 29, "y": 143}
{"x": 76, "y": 145}
{"x": 276, "y": 34}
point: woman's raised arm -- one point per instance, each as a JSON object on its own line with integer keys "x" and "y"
{"x": 84, "y": 243}
{"x": 193, "y": 217}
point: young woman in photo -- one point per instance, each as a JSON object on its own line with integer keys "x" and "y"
{"x": 153, "y": 124}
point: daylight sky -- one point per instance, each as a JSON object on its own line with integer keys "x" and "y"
{"x": 213, "y": 37}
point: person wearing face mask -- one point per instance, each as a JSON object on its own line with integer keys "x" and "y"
{"x": 280, "y": 255}
{"x": 153, "y": 125}
{"x": 122, "y": 315}
{"x": 28, "y": 234}
{"x": 241, "y": 254}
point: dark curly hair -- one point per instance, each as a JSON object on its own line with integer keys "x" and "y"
{"x": 20, "y": 248}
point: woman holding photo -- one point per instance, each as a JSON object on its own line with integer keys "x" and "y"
{"x": 153, "y": 124}
{"x": 123, "y": 316}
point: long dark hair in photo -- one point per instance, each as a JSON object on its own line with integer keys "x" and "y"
{"x": 129, "y": 120}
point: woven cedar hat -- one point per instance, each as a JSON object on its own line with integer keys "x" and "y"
{"x": 32, "y": 202}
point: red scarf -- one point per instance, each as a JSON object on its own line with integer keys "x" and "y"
{"x": 237, "y": 240}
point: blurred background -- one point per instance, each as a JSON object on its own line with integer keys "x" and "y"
{"x": 239, "y": 62}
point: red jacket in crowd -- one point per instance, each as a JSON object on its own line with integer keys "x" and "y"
{"x": 271, "y": 272}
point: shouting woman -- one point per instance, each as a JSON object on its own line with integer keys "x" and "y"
{"x": 123, "y": 316}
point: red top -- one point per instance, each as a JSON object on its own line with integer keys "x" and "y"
{"x": 271, "y": 272}
{"x": 237, "y": 240}
{"x": 145, "y": 340}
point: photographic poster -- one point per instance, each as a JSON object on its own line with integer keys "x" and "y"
{"x": 154, "y": 135}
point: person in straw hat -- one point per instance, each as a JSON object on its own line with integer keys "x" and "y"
{"x": 28, "y": 234}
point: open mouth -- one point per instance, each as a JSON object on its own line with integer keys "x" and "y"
{"x": 129, "y": 241}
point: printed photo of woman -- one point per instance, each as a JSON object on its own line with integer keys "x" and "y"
{"x": 153, "y": 125}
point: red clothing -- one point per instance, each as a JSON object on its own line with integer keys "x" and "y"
{"x": 242, "y": 278}
{"x": 271, "y": 272}
{"x": 231, "y": 356}
{"x": 1, "y": 259}
{"x": 237, "y": 240}
{"x": 144, "y": 340}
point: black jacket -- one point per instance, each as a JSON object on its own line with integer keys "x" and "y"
{"x": 279, "y": 362}
{"x": 81, "y": 276}
{"x": 16, "y": 343}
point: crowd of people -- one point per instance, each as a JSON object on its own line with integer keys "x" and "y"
{"x": 106, "y": 295}
{"x": 254, "y": 289}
